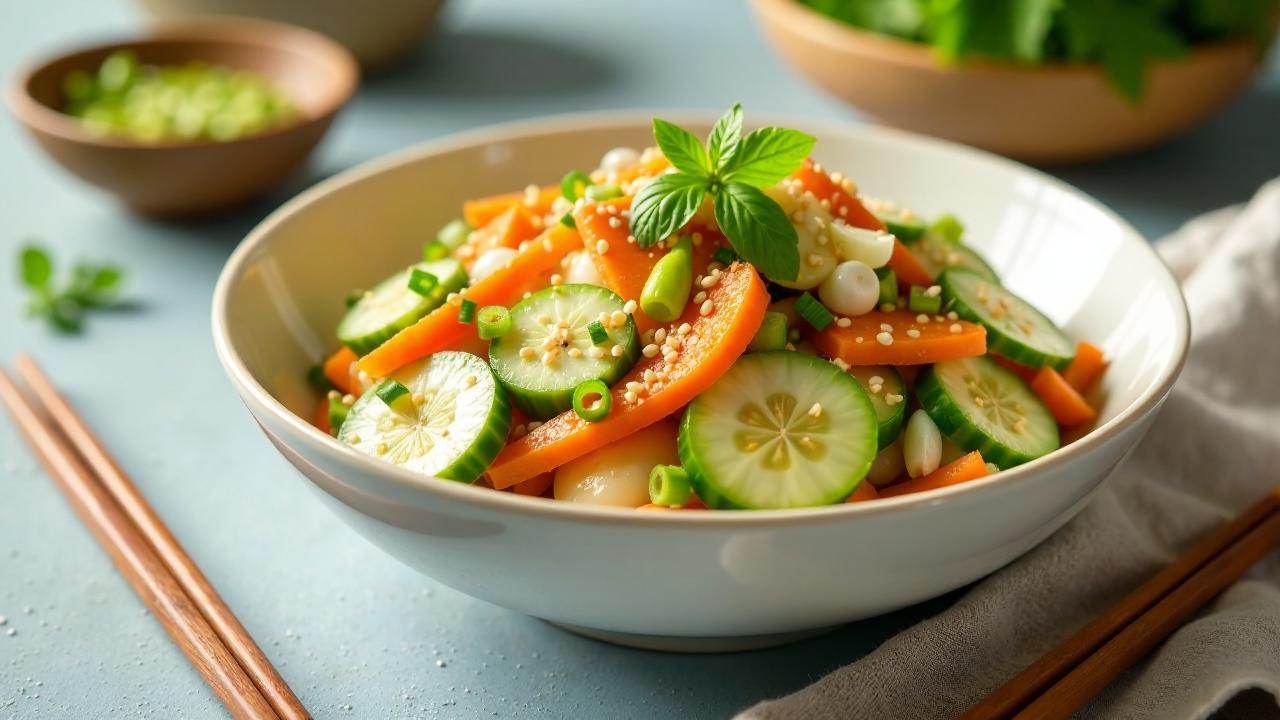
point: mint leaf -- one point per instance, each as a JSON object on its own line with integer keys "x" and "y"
{"x": 767, "y": 155}
{"x": 725, "y": 137}
{"x": 1124, "y": 35}
{"x": 36, "y": 267}
{"x": 759, "y": 230}
{"x": 92, "y": 285}
{"x": 681, "y": 148}
{"x": 663, "y": 206}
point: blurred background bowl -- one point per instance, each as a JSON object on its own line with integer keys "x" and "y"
{"x": 378, "y": 34}
{"x": 170, "y": 179}
{"x": 1050, "y": 113}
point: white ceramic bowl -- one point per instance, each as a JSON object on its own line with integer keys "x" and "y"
{"x": 696, "y": 580}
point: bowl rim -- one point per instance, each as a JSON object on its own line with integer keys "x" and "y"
{"x": 218, "y": 29}
{"x": 833, "y": 34}
{"x": 489, "y": 499}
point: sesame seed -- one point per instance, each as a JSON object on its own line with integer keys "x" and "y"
{"x": 650, "y": 350}
{"x": 816, "y": 410}
{"x": 557, "y": 279}
{"x": 979, "y": 401}
{"x": 595, "y": 352}
{"x": 615, "y": 222}
{"x": 348, "y": 399}
{"x": 875, "y": 380}
{"x": 544, "y": 319}
{"x": 575, "y": 353}
{"x": 922, "y": 318}
{"x": 955, "y": 328}
{"x": 618, "y": 317}
{"x": 672, "y": 341}
{"x": 562, "y": 324}
{"x": 547, "y": 246}
{"x": 841, "y": 364}
{"x": 418, "y": 398}
{"x": 700, "y": 297}
{"x": 549, "y": 357}
{"x": 707, "y": 308}
{"x": 913, "y": 333}
{"x": 635, "y": 387}
{"x": 952, "y": 316}
{"x": 650, "y": 376}
{"x": 858, "y": 339}
{"x": 354, "y": 439}
{"x": 630, "y": 396}
{"x": 886, "y": 327}
{"x": 602, "y": 247}
{"x": 892, "y": 399}
{"x": 381, "y": 449}
{"x": 888, "y": 307}
{"x": 843, "y": 322}
{"x": 875, "y": 388}
{"x": 630, "y": 307}
{"x": 884, "y": 338}
{"x": 933, "y": 290}
{"x": 684, "y": 329}
{"x": 617, "y": 351}
{"x": 660, "y": 334}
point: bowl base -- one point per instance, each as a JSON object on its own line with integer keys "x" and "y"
{"x": 683, "y": 644}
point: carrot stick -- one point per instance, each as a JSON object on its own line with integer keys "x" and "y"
{"x": 710, "y": 348}
{"x": 535, "y": 485}
{"x": 962, "y": 469}
{"x": 341, "y": 370}
{"x": 320, "y": 418}
{"x": 482, "y": 211}
{"x": 510, "y": 228}
{"x": 1067, "y": 405}
{"x": 440, "y": 328}
{"x": 938, "y": 340}
{"x": 908, "y": 267}
{"x": 864, "y": 492}
{"x": 1086, "y": 367}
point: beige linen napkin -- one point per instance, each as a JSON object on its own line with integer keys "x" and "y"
{"x": 1214, "y": 449}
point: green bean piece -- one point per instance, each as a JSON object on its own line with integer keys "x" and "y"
{"x": 669, "y": 485}
{"x": 772, "y": 334}
{"x": 666, "y": 291}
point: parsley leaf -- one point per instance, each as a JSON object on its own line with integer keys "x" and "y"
{"x": 665, "y": 205}
{"x": 1124, "y": 35}
{"x": 681, "y": 147}
{"x": 758, "y": 228}
{"x": 725, "y": 137}
{"x": 90, "y": 286}
{"x": 767, "y": 155}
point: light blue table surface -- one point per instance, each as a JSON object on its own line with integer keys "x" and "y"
{"x": 354, "y": 632}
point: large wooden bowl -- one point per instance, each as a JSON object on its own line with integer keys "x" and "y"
{"x": 194, "y": 177}
{"x": 1057, "y": 112}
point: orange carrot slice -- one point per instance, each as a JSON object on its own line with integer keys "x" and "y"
{"x": 1022, "y": 371}
{"x": 510, "y": 228}
{"x": 535, "y": 485}
{"x": 1065, "y": 402}
{"x": 625, "y": 266}
{"x": 320, "y": 418}
{"x": 715, "y": 340}
{"x": 864, "y": 492}
{"x": 962, "y": 469}
{"x": 482, "y": 211}
{"x": 440, "y": 328}
{"x": 937, "y": 340}
{"x": 341, "y": 370}
{"x": 1086, "y": 367}
{"x": 907, "y": 267}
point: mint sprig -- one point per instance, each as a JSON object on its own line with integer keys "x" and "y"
{"x": 89, "y": 287}
{"x": 731, "y": 169}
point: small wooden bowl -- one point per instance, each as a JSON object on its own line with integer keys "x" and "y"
{"x": 174, "y": 179}
{"x": 1051, "y": 113}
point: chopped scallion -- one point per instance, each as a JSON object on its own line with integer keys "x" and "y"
{"x": 814, "y": 312}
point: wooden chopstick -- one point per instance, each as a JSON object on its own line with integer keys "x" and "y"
{"x": 138, "y": 562}
{"x": 1068, "y": 675}
{"x": 183, "y": 569}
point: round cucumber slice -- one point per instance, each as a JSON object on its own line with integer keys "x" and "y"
{"x": 937, "y": 254}
{"x": 780, "y": 429}
{"x": 453, "y": 427}
{"x": 392, "y": 306}
{"x": 902, "y": 224}
{"x": 888, "y": 395}
{"x": 549, "y": 350}
{"x": 1015, "y": 329}
{"x": 982, "y": 406}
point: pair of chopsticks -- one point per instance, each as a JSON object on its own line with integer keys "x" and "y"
{"x": 1067, "y": 677}
{"x": 146, "y": 553}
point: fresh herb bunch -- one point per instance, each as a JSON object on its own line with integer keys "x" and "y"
{"x": 89, "y": 287}
{"x": 730, "y": 169}
{"x": 1122, "y": 35}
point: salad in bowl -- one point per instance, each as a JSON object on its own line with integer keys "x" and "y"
{"x": 702, "y": 326}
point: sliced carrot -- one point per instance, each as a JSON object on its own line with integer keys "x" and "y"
{"x": 1067, "y": 405}
{"x": 864, "y": 492}
{"x": 625, "y": 266}
{"x": 535, "y": 485}
{"x": 440, "y": 328}
{"x": 510, "y": 228}
{"x": 858, "y": 343}
{"x": 655, "y": 163}
{"x": 341, "y": 370}
{"x": 715, "y": 341}
{"x": 1022, "y": 371}
{"x": 482, "y": 211}
{"x": 1086, "y": 367}
{"x": 962, "y": 469}
{"x": 907, "y": 267}
{"x": 320, "y": 418}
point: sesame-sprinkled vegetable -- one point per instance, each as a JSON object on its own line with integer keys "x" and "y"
{"x": 667, "y": 288}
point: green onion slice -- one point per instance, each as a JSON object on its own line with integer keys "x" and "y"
{"x": 569, "y": 185}
{"x": 592, "y": 401}
{"x": 669, "y": 485}
{"x": 599, "y": 335}
{"x": 493, "y": 321}
{"x": 422, "y": 282}
{"x": 467, "y": 312}
{"x": 814, "y": 312}
{"x": 922, "y": 302}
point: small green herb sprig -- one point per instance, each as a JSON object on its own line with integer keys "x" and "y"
{"x": 89, "y": 287}
{"x": 731, "y": 169}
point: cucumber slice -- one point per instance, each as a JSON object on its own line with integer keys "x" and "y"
{"x": 890, "y": 415}
{"x": 778, "y": 430}
{"x": 904, "y": 225}
{"x": 391, "y": 306}
{"x": 1015, "y": 329}
{"x": 454, "y": 426}
{"x": 982, "y": 406}
{"x": 936, "y": 254}
{"x": 553, "y": 323}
